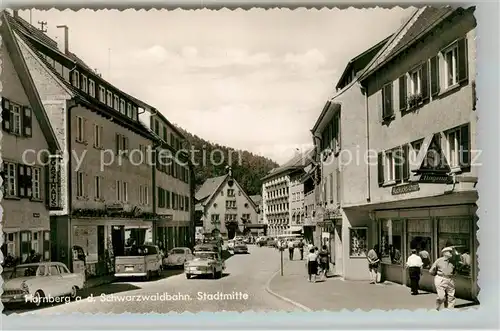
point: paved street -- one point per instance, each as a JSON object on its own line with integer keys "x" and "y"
{"x": 337, "y": 294}
{"x": 247, "y": 274}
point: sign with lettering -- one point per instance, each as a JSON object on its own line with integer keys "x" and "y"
{"x": 434, "y": 160}
{"x": 166, "y": 217}
{"x": 114, "y": 207}
{"x": 435, "y": 178}
{"x": 54, "y": 182}
{"x": 403, "y": 189}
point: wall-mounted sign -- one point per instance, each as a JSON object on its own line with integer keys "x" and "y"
{"x": 114, "y": 207}
{"x": 54, "y": 182}
{"x": 435, "y": 178}
{"x": 166, "y": 217}
{"x": 403, "y": 189}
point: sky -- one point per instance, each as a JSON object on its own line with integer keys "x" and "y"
{"x": 255, "y": 80}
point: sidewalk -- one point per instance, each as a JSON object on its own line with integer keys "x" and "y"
{"x": 337, "y": 294}
{"x": 98, "y": 281}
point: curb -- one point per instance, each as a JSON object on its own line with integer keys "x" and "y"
{"x": 103, "y": 282}
{"x": 268, "y": 289}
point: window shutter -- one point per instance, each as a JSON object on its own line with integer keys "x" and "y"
{"x": 21, "y": 186}
{"x": 402, "y": 93}
{"x": 85, "y": 130}
{"x": 380, "y": 164}
{"x": 167, "y": 196}
{"x": 465, "y": 148}
{"x": 406, "y": 163}
{"x": 186, "y": 203}
{"x": 27, "y": 121}
{"x": 434, "y": 69}
{"x": 159, "y": 197}
{"x": 425, "y": 81}
{"x": 462, "y": 60}
{"x": 5, "y": 114}
{"x": 388, "y": 111}
{"x": 28, "y": 172}
{"x": 46, "y": 245}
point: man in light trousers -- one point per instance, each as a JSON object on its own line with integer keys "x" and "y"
{"x": 443, "y": 271}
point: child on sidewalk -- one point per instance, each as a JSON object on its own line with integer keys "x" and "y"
{"x": 312, "y": 265}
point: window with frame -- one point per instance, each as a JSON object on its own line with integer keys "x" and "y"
{"x": 35, "y": 243}
{"x": 36, "y": 180}
{"x": 230, "y": 204}
{"x": 450, "y": 57}
{"x": 134, "y": 112}
{"x": 80, "y": 184}
{"x": 416, "y": 146}
{"x": 91, "y": 88}
{"x": 458, "y": 149}
{"x": 10, "y": 179}
{"x": 415, "y": 82}
{"x": 102, "y": 94}
{"x": 230, "y": 217}
{"x": 116, "y": 104}
{"x": 230, "y": 192}
{"x": 98, "y": 136}
{"x": 118, "y": 189}
{"x": 215, "y": 219}
{"x": 129, "y": 110}
{"x": 387, "y": 104}
{"x": 146, "y": 195}
{"x": 109, "y": 99}
{"x": 125, "y": 192}
{"x": 80, "y": 129}
{"x": 98, "y": 187}
{"x": 391, "y": 241}
{"x": 455, "y": 232}
{"x": 15, "y": 115}
{"x": 75, "y": 79}
{"x": 453, "y": 148}
{"x": 84, "y": 83}
{"x": 390, "y": 166}
{"x": 122, "y": 106}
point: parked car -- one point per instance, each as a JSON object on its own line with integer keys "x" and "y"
{"x": 261, "y": 241}
{"x": 36, "y": 283}
{"x": 240, "y": 248}
{"x": 139, "y": 261}
{"x": 177, "y": 257}
{"x": 205, "y": 263}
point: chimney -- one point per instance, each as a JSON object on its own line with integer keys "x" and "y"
{"x": 66, "y": 38}
{"x": 15, "y": 13}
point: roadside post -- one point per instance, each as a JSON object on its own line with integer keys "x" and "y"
{"x": 281, "y": 256}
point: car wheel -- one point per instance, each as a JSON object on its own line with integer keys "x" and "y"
{"x": 74, "y": 290}
{"x": 37, "y": 300}
{"x": 188, "y": 276}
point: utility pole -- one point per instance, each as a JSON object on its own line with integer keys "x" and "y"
{"x": 42, "y": 26}
{"x": 281, "y": 248}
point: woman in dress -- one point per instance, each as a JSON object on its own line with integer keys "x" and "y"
{"x": 312, "y": 265}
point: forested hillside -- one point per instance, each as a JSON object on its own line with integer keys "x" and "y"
{"x": 248, "y": 173}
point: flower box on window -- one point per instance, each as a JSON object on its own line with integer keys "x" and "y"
{"x": 414, "y": 100}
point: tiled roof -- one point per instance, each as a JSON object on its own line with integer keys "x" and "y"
{"x": 415, "y": 27}
{"x": 209, "y": 187}
{"x": 298, "y": 161}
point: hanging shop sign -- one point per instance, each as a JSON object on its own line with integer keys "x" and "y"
{"x": 404, "y": 189}
{"x": 54, "y": 182}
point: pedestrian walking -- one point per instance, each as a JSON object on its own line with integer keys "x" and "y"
{"x": 312, "y": 265}
{"x": 310, "y": 246}
{"x": 443, "y": 271}
{"x": 323, "y": 261}
{"x": 414, "y": 265}
{"x": 291, "y": 248}
{"x": 301, "y": 249}
{"x": 373, "y": 265}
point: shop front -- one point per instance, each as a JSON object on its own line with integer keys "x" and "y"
{"x": 429, "y": 230}
{"x": 101, "y": 240}
{"x": 331, "y": 237}
{"x": 171, "y": 234}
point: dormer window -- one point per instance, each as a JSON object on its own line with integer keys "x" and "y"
{"x": 102, "y": 94}
{"x": 84, "y": 83}
{"x": 109, "y": 99}
{"x": 75, "y": 79}
{"x": 134, "y": 112}
{"x": 129, "y": 110}
{"x": 116, "y": 103}
{"x": 91, "y": 88}
{"x": 122, "y": 106}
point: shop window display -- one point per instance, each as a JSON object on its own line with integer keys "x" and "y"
{"x": 456, "y": 233}
{"x": 420, "y": 238}
{"x": 391, "y": 241}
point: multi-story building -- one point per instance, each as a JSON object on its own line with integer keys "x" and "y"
{"x": 29, "y": 145}
{"x": 224, "y": 207}
{"x": 297, "y": 201}
{"x": 338, "y": 134}
{"x": 107, "y": 184}
{"x": 173, "y": 191}
{"x": 276, "y": 194}
{"x": 415, "y": 188}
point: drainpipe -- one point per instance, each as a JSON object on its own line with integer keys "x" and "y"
{"x": 367, "y": 137}
{"x": 70, "y": 104}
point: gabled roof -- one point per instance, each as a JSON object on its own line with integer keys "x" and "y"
{"x": 421, "y": 22}
{"x": 21, "y": 68}
{"x": 299, "y": 161}
{"x": 209, "y": 187}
